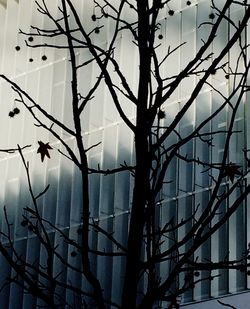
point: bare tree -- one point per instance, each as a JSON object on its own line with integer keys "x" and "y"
{"x": 161, "y": 144}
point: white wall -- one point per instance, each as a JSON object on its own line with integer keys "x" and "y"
{"x": 48, "y": 83}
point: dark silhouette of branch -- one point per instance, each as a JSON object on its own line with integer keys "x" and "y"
{"x": 225, "y": 305}
{"x": 170, "y": 149}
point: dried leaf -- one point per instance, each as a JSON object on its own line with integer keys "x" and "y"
{"x": 43, "y": 149}
{"x": 231, "y": 170}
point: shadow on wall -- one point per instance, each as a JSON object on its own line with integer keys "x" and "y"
{"x": 61, "y": 205}
{"x": 239, "y": 301}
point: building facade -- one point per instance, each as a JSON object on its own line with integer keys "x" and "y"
{"x": 45, "y": 74}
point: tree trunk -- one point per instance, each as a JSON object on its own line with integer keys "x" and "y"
{"x": 142, "y": 173}
{"x": 136, "y": 225}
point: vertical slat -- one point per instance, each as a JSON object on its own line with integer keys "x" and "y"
{"x": 10, "y": 38}
{"x": 110, "y": 196}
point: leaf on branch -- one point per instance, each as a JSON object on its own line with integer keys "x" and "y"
{"x": 231, "y": 170}
{"x": 43, "y": 149}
